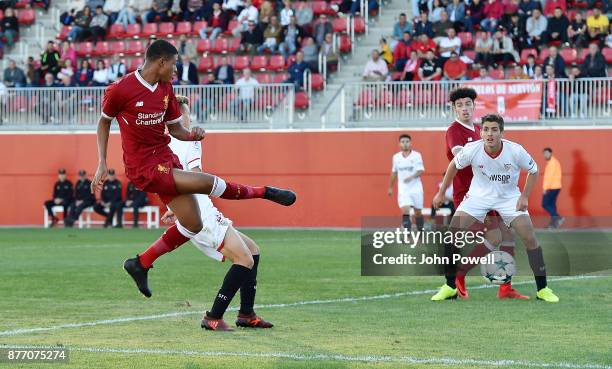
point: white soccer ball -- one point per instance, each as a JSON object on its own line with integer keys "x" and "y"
{"x": 501, "y": 270}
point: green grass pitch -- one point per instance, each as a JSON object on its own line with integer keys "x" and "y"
{"x": 327, "y": 316}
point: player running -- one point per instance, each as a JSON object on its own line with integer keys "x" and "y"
{"x": 496, "y": 164}
{"x": 144, "y": 105}
{"x": 407, "y": 168}
{"x": 461, "y": 132}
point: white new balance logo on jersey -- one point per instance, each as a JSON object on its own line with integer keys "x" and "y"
{"x": 139, "y": 104}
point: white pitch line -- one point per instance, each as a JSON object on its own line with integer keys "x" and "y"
{"x": 327, "y": 357}
{"x": 267, "y": 306}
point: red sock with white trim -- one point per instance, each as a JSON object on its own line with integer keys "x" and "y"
{"x": 235, "y": 191}
{"x": 169, "y": 241}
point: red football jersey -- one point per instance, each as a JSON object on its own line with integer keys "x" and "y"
{"x": 457, "y": 135}
{"x": 142, "y": 111}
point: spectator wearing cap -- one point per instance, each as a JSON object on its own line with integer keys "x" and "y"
{"x": 62, "y": 196}
{"x": 110, "y": 198}
{"x": 556, "y": 30}
{"x": 135, "y": 199}
{"x": 454, "y": 68}
{"x": 83, "y": 198}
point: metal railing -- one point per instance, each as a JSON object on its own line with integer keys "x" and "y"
{"x": 262, "y": 106}
{"x": 395, "y": 104}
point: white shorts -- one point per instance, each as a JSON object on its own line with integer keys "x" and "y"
{"x": 410, "y": 198}
{"x": 214, "y": 226}
{"x": 479, "y": 207}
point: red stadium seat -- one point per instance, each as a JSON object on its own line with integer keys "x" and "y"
{"x": 63, "y": 32}
{"x": 220, "y": 46}
{"x": 360, "y": 26}
{"x": 259, "y": 63}
{"x": 301, "y": 101}
{"x": 166, "y": 29}
{"x": 135, "y": 63}
{"x": 317, "y": 82}
{"x": 183, "y": 28}
{"x": 148, "y": 30}
{"x": 290, "y": 60}
{"x": 280, "y": 78}
{"x": 102, "y": 48}
{"x": 276, "y": 63}
{"x": 116, "y": 31}
{"x": 26, "y": 16}
{"x": 133, "y": 30}
{"x": 197, "y": 26}
{"x": 525, "y": 54}
{"x": 134, "y": 47}
{"x": 206, "y": 64}
{"x": 470, "y": 54}
{"x": 345, "y": 44}
{"x": 497, "y": 74}
{"x": 117, "y": 47}
{"x": 466, "y": 40}
{"x": 22, "y": 4}
{"x": 85, "y": 49}
{"x": 232, "y": 24}
{"x": 1, "y": 14}
{"x": 543, "y": 55}
{"x": 234, "y": 44}
{"x": 339, "y": 25}
{"x": 203, "y": 46}
{"x": 607, "y": 53}
{"x": 241, "y": 62}
{"x": 263, "y": 78}
{"x": 319, "y": 7}
{"x": 569, "y": 55}
{"x": 571, "y": 14}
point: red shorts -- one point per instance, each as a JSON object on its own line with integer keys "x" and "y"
{"x": 155, "y": 176}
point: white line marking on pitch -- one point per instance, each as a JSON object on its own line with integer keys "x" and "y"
{"x": 330, "y": 357}
{"x": 268, "y": 306}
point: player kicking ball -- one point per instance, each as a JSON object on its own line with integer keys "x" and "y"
{"x": 144, "y": 105}
{"x": 407, "y": 168}
{"x": 496, "y": 164}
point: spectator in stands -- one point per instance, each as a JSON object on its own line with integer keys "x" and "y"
{"x": 597, "y": 26}
{"x": 193, "y": 10}
{"x": 117, "y": 69}
{"x": 296, "y": 71}
{"x": 419, "y": 6}
{"x": 98, "y": 25}
{"x": 594, "y": 63}
{"x": 304, "y": 14}
{"x": 436, "y": 7}
{"x": 556, "y": 61}
{"x": 556, "y": 29}
{"x": 48, "y": 101}
{"x": 375, "y": 69}
{"x": 385, "y": 52}
{"x": 45, "y": 3}
{"x": 503, "y": 48}
{"x": 67, "y": 52}
{"x": 62, "y": 196}
{"x": 92, "y": 4}
{"x": 218, "y": 22}
{"x": 493, "y": 12}
{"x": 474, "y": 14}
{"x": 515, "y": 29}
{"x": 246, "y": 95}
{"x": 430, "y": 68}
{"x": 49, "y": 60}
{"x": 401, "y": 27}
{"x": 111, "y": 198}
{"x": 112, "y": 9}
{"x": 449, "y": 44}
{"x": 84, "y": 75}
{"x": 323, "y": 27}
{"x": 440, "y": 27}
{"x": 536, "y": 27}
{"x": 159, "y": 9}
{"x": 67, "y": 18}
{"x": 224, "y": 73}
{"x": 233, "y": 6}
{"x": 327, "y": 49}
{"x": 291, "y": 36}
{"x": 423, "y": 26}
{"x": 578, "y": 93}
{"x": 266, "y": 11}
{"x": 286, "y": 13}
{"x": 402, "y": 51}
{"x": 609, "y": 37}
{"x": 14, "y": 76}
{"x": 33, "y": 72}
{"x": 81, "y": 24}
{"x": 100, "y": 75}
{"x": 67, "y": 70}
{"x": 271, "y": 36}
{"x": 251, "y": 39}
{"x": 135, "y": 199}
{"x": 248, "y": 15}
{"x": 311, "y": 54}
{"x": 186, "y": 71}
{"x": 538, "y": 73}
{"x": 526, "y": 8}
{"x": 483, "y": 74}
{"x": 424, "y": 45}
{"x": 82, "y": 200}
{"x": 518, "y": 73}
{"x": 483, "y": 48}
{"x": 577, "y": 31}
{"x": 549, "y": 71}
{"x": 9, "y": 28}
{"x": 411, "y": 67}
{"x": 127, "y": 15}
{"x": 454, "y": 68}
{"x": 529, "y": 68}
{"x": 456, "y": 13}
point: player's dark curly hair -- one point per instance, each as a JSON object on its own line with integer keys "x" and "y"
{"x": 461, "y": 93}
{"x": 494, "y": 118}
{"x": 405, "y": 135}
{"x": 160, "y": 49}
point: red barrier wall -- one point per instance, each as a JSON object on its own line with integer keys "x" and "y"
{"x": 339, "y": 176}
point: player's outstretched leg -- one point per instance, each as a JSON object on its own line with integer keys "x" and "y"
{"x": 246, "y": 316}
{"x": 524, "y": 229}
{"x": 234, "y": 249}
{"x": 204, "y": 183}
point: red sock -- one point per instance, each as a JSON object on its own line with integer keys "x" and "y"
{"x": 170, "y": 240}
{"x": 234, "y": 191}
{"x": 479, "y": 251}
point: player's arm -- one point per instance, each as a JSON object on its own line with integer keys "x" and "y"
{"x": 178, "y": 130}
{"x": 450, "y": 174}
{"x": 102, "y": 134}
{"x": 526, "y": 162}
